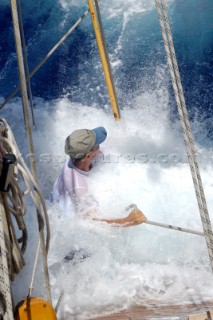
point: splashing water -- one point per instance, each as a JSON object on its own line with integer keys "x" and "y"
{"x": 132, "y": 265}
{"x": 144, "y": 158}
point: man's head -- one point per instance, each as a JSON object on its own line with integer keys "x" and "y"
{"x": 81, "y": 142}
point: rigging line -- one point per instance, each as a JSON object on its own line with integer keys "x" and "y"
{"x": 169, "y": 226}
{"x": 25, "y": 60}
{"x": 177, "y": 93}
{"x": 29, "y": 134}
{"x": 34, "y": 271}
{"x": 185, "y": 113}
{"x": 38, "y": 66}
{"x": 195, "y": 170}
{"x": 184, "y": 120}
{"x": 23, "y": 81}
{"x": 59, "y": 301}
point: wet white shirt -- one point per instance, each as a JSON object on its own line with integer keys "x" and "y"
{"x": 71, "y": 192}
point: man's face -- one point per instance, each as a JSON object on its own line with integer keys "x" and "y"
{"x": 91, "y": 156}
{"x": 95, "y": 152}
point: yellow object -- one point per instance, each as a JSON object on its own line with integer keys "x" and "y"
{"x": 34, "y": 309}
{"x": 104, "y": 61}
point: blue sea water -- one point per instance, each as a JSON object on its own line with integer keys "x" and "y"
{"x": 142, "y": 264}
{"x": 72, "y": 70}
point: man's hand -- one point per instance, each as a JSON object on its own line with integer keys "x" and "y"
{"x": 136, "y": 217}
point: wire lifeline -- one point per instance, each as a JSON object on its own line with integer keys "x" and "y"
{"x": 185, "y": 124}
{"x": 29, "y": 134}
{"x": 104, "y": 61}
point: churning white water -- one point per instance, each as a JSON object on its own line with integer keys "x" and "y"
{"x": 143, "y": 162}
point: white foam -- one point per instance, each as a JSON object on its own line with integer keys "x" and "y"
{"x": 132, "y": 265}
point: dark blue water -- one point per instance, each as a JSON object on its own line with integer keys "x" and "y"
{"x": 74, "y": 70}
{"x": 165, "y": 269}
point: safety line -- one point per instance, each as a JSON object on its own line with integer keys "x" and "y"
{"x": 185, "y": 124}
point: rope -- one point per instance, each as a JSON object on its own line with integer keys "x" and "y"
{"x": 9, "y": 145}
{"x": 23, "y": 81}
{"x": 25, "y": 60}
{"x": 30, "y": 184}
{"x": 34, "y": 270}
{"x": 14, "y": 201}
{"x": 167, "y": 226}
{"x": 30, "y": 140}
{"x": 14, "y": 205}
{"x": 39, "y": 65}
{"x": 185, "y": 124}
{"x": 59, "y": 301}
{"x": 5, "y": 293}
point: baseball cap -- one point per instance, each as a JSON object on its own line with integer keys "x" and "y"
{"x": 82, "y": 141}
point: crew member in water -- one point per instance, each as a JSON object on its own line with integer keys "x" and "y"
{"x": 70, "y": 189}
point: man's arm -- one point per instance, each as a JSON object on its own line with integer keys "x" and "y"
{"x": 135, "y": 217}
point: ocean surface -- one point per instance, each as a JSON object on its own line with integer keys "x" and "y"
{"x": 125, "y": 266}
